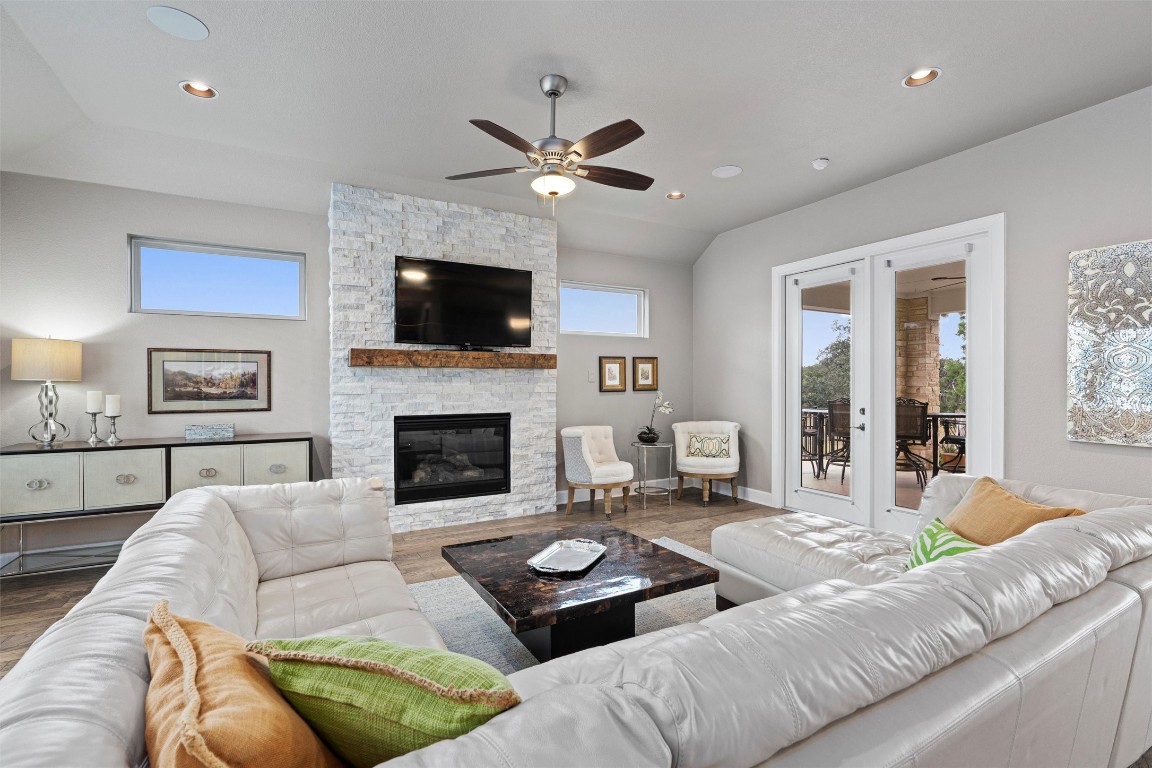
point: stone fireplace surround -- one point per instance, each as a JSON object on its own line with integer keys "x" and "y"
{"x": 368, "y": 229}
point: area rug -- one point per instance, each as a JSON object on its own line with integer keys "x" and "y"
{"x": 470, "y": 627}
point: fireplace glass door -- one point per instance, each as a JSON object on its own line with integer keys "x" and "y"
{"x": 451, "y": 456}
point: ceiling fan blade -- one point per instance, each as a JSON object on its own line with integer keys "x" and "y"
{"x": 490, "y": 172}
{"x": 506, "y": 136}
{"x": 606, "y": 139}
{"x": 614, "y": 177}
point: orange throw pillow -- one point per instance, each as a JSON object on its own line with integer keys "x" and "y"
{"x": 988, "y": 514}
{"x": 211, "y": 704}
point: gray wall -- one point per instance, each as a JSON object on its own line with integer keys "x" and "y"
{"x": 64, "y": 272}
{"x": 1081, "y": 181}
{"x": 579, "y": 401}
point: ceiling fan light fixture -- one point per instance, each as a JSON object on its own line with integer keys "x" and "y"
{"x": 920, "y": 77}
{"x": 198, "y": 89}
{"x": 553, "y": 184}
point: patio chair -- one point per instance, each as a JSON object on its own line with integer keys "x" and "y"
{"x": 911, "y": 428}
{"x": 840, "y": 433}
{"x": 955, "y": 436}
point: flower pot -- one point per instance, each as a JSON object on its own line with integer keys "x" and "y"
{"x": 648, "y": 437}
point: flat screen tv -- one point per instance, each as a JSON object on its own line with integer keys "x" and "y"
{"x": 462, "y": 305}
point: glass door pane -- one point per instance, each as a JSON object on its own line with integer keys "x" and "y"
{"x": 826, "y": 392}
{"x": 826, "y": 388}
{"x": 930, "y": 377}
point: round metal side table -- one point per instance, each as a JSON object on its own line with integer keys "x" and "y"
{"x": 642, "y": 488}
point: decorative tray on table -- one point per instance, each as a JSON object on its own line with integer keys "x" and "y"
{"x": 567, "y": 556}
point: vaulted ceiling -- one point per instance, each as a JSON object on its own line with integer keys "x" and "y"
{"x": 379, "y": 93}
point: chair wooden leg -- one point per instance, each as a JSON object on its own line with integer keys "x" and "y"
{"x": 707, "y": 486}
{"x": 627, "y": 489}
{"x": 591, "y": 499}
{"x": 571, "y": 498}
{"x": 735, "y": 499}
{"x": 608, "y": 503}
{"x": 679, "y": 486}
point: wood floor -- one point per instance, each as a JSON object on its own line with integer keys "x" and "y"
{"x": 30, "y": 604}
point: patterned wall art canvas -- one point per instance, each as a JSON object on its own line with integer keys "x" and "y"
{"x": 1110, "y": 344}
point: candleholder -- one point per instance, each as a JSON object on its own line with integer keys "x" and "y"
{"x": 93, "y": 437}
{"x": 112, "y": 439}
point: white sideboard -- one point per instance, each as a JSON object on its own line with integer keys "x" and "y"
{"x": 76, "y": 479}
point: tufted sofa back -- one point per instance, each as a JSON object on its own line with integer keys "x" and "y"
{"x": 302, "y": 527}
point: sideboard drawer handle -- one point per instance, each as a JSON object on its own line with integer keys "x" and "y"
{"x": 277, "y": 469}
{"x": 37, "y": 485}
{"x": 125, "y": 479}
{"x": 208, "y": 472}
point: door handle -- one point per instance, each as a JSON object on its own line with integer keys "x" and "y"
{"x": 859, "y": 426}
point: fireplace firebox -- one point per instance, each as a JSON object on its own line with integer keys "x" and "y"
{"x": 451, "y": 456}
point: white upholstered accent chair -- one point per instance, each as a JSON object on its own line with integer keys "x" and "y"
{"x": 590, "y": 461}
{"x": 700, "y": 449}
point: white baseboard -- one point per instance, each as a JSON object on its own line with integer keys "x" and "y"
{"x": 750, "y": 494}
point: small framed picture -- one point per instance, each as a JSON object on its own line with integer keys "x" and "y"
{"x": 613, "y": 374}
{"x": 209, "y": 380}
{"x": 645, "y": 374}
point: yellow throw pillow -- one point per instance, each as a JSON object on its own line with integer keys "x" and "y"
{"x": 211, "y": 704}
{"x": 988, "y": 514}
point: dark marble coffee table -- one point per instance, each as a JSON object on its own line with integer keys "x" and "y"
{"x": 553, "y": 616}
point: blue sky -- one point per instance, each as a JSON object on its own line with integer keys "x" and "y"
{"x": 597, "y": 311}
{"x": 211, "y": 282}
{"x": 818, "y": 334}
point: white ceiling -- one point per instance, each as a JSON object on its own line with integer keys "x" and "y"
{"x": 379, "y": 93}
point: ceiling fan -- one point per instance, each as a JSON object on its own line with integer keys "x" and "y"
{"x": 557, "y": 160}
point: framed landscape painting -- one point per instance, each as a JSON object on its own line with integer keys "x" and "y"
{"x": 209, "y": 380}
{"x": 613, "y": 374}
{"x": 645, "y": 374}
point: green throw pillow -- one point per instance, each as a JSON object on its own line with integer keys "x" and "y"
{"x": 937, "y": 541}
{"x": 371, "y": 700}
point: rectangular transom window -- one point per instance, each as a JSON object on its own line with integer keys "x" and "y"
{"x": 603, "y": 309}
{"x": 178, "y": 278}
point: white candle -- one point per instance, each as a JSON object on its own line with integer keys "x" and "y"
{"x": 112, "y": 405}
{"x": 95, "y": 401}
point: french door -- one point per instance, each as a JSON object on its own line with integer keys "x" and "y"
{"x": 827, "y": 391}
{"x": 888, "y": 370}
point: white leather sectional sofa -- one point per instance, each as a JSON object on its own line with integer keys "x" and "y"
{"x": 1033, "y": 652}
{"x": 260, "y": 561}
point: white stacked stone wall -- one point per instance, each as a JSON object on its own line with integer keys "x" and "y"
{"x": 369, "y": 229}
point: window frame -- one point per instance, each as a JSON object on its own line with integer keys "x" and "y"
{"x": 136, "y": 242}
{"x": 641, "y": 308}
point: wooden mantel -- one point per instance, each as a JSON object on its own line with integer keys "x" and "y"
{"x": 447, "y": 358}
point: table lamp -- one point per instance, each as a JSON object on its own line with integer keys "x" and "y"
{"x": 46, "y": 360}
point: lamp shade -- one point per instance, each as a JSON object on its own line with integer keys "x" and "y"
{"x": 45, "y": 360}
{"x": 553, "y": 184}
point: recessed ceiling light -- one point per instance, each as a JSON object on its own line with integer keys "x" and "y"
{"x": 820, "y": 163}
{"x": 199, "y": 89}
{"x": 920, "y": 77}
{"x": 675, "y": 195}
{"x": 726, "y": 171}
{"x": 177, "y": 23}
